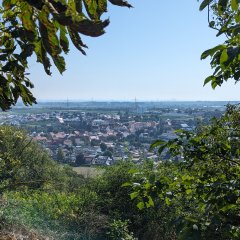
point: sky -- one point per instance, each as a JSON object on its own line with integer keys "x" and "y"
{"x": 150, "y": 52}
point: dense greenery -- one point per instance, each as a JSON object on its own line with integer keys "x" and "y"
{"x": 224, "y": 17}
{"x": 37, "y": 193}
{"x": 54, "y": 201}
{"x": 204, "y": 185}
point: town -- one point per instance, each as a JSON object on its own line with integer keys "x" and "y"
{"x": 91, "y": 134}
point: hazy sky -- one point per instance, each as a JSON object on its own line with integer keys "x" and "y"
{"x": 151, "y": 52}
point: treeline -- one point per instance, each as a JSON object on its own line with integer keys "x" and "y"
{"x": 195, "y": 198}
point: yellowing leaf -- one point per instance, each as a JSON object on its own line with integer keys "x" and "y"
{"x": 140, "y": 205}
{"x": 224, "y": 56}
{"x": 234, "y": 5}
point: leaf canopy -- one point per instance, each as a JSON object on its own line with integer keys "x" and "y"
{"x": 43, "y": 28}
{"x": 224, "y": 17}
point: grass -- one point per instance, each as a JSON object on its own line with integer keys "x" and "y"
{"x": 88, "y": 171}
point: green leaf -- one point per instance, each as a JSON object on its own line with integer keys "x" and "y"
{"x": 228, "y": 207}
{"x": 222, "y": 5}
{"x": 224, "y": 56}
{"x": 127, "y": 184}
{"x": 91, "y": 7}
{"x": 141, "y": 205}
{"x": 76, "y": 40}
{"x": 121, "y": 3}
{"x": 212, "y": 51}
{"x": 26, "y": 17}
{"x": 161, "y": 148}
{"x": 150, "y": 202}
{"x": 204, "y": 4}
{"x": 214, "y": 83}
{"x": 90, "y": 28}
{"x": 78, "y": 5}
{"x": 134, "y": 195}
{"x": 209, "y": 79}
{"x": 102, "y": 7}
{"x": 42, "y": 56}
{"x": 49, "y": 37}
{"x": 157, "y": 143}
{"x": 132, "y": 171}
{"x": 188, "y": 191}
{"x": 187, "y": 177}
{"x": 63, "y": 39}
{"x": 59, "y": 63}
{"x": 167, "y": 201}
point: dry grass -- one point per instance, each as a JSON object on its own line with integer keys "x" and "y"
{"x": 6, "y": 235}
{"x": 88, "y": 171}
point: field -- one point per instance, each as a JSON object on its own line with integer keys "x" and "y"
{"x": 88, "y": 171}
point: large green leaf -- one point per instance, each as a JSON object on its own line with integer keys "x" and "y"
{"x": 63, "y": 39}
{"x": 121, "y": 3}
{"x": 204, "y": 4}
{"x": 76, "y": 40}
{"x": 212, "y": 51}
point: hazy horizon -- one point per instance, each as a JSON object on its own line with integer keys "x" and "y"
{"x": 130, "y": 100}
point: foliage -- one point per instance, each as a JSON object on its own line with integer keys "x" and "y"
{"x": 43, "y": 28}
{"x": 103, "y": 146}
{"x": 57, "y": 214}
{"x": 60, "y": 155}
{"x": 119, "y": 231}
{"x": 23, "y": 163}
{"x": 114, "y": 201}
{"x": 53, "y": 200}
{"x": 59, "y": 203}
{"x": 224, "y": 16}
{"x": 107, "y": 154}
{"x": 39, "y": 194}
{"x": 80, "y": 159}
{"x": 204, "y": 186}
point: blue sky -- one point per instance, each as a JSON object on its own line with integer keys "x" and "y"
{"x": 151, "y": 52}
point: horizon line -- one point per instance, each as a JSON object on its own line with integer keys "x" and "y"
{"x": 130, "y": 100}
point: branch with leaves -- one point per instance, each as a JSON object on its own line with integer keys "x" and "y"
{"x": 224, "y": 16}
{"x": 43, "y": 28}
{"x": 204, "y": 184}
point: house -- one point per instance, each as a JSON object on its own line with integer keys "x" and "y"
{"x": 68, "y": 142}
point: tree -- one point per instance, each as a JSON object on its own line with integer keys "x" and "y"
{"x": 60, "y": 155}
{"x": 103, "y": 146}
{"x": 205, "y": 184}
{"x": 223, "y": 16}
{"x": 107, "y": 154}
{"x": 43, "y": 28}
{"x": 80, "y": 159}
{"x": 24, "y": 163}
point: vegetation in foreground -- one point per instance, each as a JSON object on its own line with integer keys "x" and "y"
{"x": 197, "y": 198}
